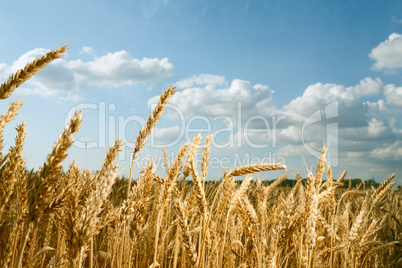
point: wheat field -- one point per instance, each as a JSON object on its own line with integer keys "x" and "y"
{"x": 78, "y": 218}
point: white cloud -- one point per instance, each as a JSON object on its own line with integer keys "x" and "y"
{"x": 393, "y": 94}
{"x": 366, "y": 129}
{"x": 205, "y": 95}
{"x": 7, "y": 70}
{"x": 87, "y": 50}
{"x": 290, "y": 134}
{"x": 209, "y": 103}
{"x": 315, "y": 97}
{"x": 376, "y": 128}
{"x": 388, "y": 54}
{"x": 392, "y": 151}
{"x": 376, "y": 107}
{"x": 110, "y": 70}
{"x": 28, "y": 57}
{"x": 368, "y": 86}
{"x": 209, "y": 96}
{"x": 318, "y": 96}
{"x": 322, "y": 94}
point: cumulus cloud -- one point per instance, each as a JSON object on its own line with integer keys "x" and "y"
{"x": 393, "y": 94}
{"x": 111, "y": 70}
{"x": 340, "y": 116}
{"x": 390, "y": 152}
{"x": 319, "y": 96}
{"x": 291, "y": 134}
{"x": 360, "y": 125}
{"x": 207, "y": 95}
{"x": 388, "y": 54}
{"x": 368, "y": 86}
{"x": 6, "y": 70}
{"x": 211, "y": 96}
{"x": 376, "y": 128}
{"x": 377, "y": 107}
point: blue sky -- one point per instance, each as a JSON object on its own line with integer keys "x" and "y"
{"x": 258, "y": 74}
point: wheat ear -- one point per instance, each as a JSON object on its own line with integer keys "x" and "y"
{"x": 233, "y": 202}
{"x": 14, "y": 162}
{"x": 6, "y": 118}
{"x": 205, "y": 158}
{"x": 30, "y": 69}
{"x": 185, "y": 237}
{"x": 147, "y": 128}
{"x": 247, "y": 169}
{"x": 52, "y": 168}
{"x": 191, "y": 155}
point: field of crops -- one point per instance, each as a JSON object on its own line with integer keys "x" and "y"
{"x": 79, "y": 218}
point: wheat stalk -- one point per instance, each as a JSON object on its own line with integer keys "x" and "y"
{"x": 147, "y": 128}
